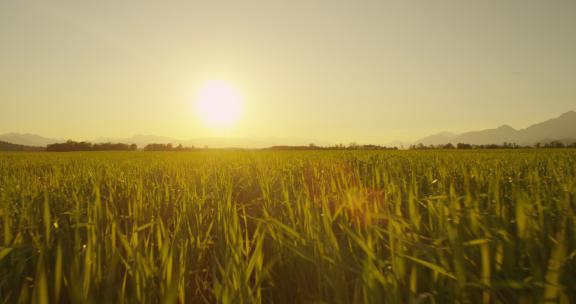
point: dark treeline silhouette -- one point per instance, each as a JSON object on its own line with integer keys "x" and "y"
{"x": 556, "y": 144}
{"x": 167, "y": 147}
{"x": 71, "y": 146}
{"x": 114, "y": 147}
{"x": 6, "y": 146}
{"x": 461, "y": 146}
{"x": 351, "y": 146}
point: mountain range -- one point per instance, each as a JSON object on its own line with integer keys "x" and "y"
{"x": 561, "y": 128}
{"x": 31, "y": 140}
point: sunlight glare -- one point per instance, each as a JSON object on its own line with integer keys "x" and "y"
{"x": 218, "y": 104}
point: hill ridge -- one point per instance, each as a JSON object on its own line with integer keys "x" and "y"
{"x": 561, "y": 128}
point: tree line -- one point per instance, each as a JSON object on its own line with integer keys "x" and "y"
{"x": 167, "y": 147}
{"x": 555, "y": 144}
{"x": 6, "y": 146}
{"x": 71, "y": 145}
{"x": 351, "y": 146}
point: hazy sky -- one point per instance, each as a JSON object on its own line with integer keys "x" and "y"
{"x": 365, "y": 71}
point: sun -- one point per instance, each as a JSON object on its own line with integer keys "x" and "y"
{"x": 218, "y": 104}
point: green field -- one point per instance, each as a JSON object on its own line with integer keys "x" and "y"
{"x": 289, "y": 227}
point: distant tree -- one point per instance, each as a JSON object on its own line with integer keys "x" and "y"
{"x": 167, "y": 147}
{"x": 5, "y": 146}
{"x": 71, "y": 146}
{"x": 507, "y": 145}
{"x": 113, "y": 147}
{"x": 155, "y": 147}
{"x": 555, "y": 144}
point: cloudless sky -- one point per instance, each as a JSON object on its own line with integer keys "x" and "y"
{"x": 340, "y": 71}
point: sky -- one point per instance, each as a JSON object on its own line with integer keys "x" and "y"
{"x": 366, "y": 71}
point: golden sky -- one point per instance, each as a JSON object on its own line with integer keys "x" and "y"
{"x": 340, "y": 71}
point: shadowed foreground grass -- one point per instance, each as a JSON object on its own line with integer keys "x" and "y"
{"x": 289, "y": 227}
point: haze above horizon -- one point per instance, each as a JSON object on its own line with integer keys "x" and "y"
{"x": 341, "y": 71}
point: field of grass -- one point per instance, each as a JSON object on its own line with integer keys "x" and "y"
{"x": 289, "y": 227}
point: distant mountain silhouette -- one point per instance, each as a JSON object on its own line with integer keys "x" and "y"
{"x": 28, "y": 139}
{"x": 499, "y": 135}
{"x": 562, "y": 128}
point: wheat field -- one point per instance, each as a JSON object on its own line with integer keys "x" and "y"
{"x": 288, "y": 227}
